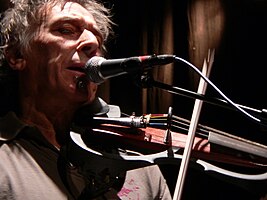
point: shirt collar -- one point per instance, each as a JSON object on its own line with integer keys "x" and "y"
{"x": 10, "y": 126}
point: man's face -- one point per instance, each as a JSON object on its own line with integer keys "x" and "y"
{"x": 67, "y": 38}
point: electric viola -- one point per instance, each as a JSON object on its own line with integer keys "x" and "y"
{"x": 118, "y": 144}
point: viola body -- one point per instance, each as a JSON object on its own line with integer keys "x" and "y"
{"x": 115, "y": 149}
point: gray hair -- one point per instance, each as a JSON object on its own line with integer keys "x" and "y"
{"x": 19, "y": 23}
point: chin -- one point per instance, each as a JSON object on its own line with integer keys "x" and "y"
{"x": 77, "y": 95}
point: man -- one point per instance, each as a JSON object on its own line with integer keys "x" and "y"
{"x": 47, "y": 43}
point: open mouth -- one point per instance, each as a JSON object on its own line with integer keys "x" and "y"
{"x": 78, "y": 69}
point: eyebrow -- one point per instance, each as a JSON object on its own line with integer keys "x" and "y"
{"x": 67, "y": 19}
{"x": 77, "y": 21}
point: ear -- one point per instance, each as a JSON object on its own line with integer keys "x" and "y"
{"x": 14, "y": 61}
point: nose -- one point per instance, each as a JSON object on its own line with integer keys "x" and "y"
{"x": 88, "y": 43}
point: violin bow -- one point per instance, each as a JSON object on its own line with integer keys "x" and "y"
{"x": 207, "y": 65}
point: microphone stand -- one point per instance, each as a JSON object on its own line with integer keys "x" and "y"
{"x": 147, "y": 81}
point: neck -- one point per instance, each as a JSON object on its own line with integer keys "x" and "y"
{"x": 53, "y": 123}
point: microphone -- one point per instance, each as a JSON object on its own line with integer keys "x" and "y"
{"x": 98, "y": 69}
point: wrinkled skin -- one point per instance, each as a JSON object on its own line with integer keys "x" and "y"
{"x": 48, "y": 74}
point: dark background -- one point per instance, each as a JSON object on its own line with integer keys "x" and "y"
{"x": 239, "y": 71}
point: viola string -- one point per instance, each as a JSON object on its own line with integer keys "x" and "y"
{"x": 205, "y": 131}
{"x": 199, "y": 131}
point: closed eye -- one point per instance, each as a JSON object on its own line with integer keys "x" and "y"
{"x": 65, "y": 31}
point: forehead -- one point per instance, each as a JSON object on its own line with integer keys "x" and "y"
{"x": 70, "y": 10}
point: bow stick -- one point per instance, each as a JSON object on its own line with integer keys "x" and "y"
{"x": 207, "y": 65}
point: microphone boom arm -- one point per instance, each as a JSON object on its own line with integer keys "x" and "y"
{"x": 147, "y": 81}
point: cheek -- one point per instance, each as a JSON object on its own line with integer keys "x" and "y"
{"x": 49, "y": 45}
